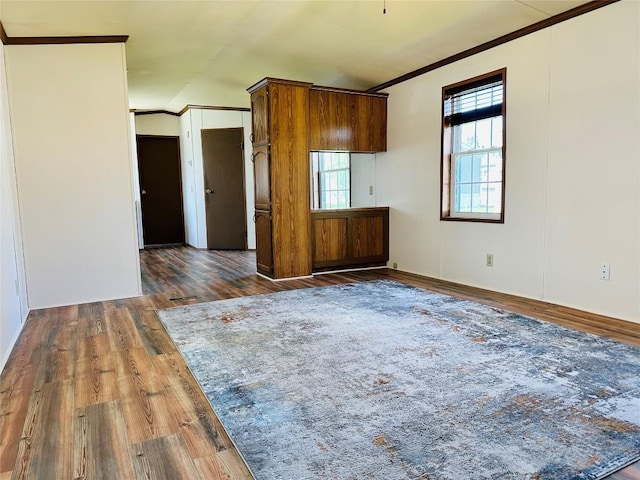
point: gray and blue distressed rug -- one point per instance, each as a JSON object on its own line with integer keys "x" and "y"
{"x": 380, "y": 380}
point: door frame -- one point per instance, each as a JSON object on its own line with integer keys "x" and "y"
{"x": 184, "y": 225}
{"x": 244, "y": 184}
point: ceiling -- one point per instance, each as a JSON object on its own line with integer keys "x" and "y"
{"x": 208, "y": 52}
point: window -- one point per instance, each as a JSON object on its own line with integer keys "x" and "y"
{"x": 473, "y": 149}
{"x": 331, "y": 180}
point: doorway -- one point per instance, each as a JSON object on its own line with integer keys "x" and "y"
{"x": 224, "y": 186}
{"x": 160, "y": 190}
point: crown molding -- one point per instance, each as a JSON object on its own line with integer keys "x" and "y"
{"x": 548, "y": 22}
{"x": 7, "y": 40}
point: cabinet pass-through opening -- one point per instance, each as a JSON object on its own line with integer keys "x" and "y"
{"x": 330, "y": 180}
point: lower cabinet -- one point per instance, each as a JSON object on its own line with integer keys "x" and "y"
{"x": 264, "y": 247}
{"x": 355, "y": 237}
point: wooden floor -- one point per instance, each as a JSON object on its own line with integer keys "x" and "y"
{"x": 98, "y": 391}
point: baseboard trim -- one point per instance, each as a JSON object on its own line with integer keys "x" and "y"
{"x": 7, "y": 354}
{"x": 350, "y": 270}
{"x": 283, "y": 279}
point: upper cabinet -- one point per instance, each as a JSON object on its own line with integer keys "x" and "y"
{"x": 347, "y": 120}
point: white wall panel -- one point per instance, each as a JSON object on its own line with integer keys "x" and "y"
{"x": 593, "y": 196}
{"x": 72, "y": 148}
{"x": 572, "y": 169}
{"x": 13, "y": 295}
{"x": 363, "y": 176}
{"x": 158, "y": 124}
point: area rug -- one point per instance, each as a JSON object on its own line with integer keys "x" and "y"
{"x": 380, "y": 380}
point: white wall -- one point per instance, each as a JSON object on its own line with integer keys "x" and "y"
{"x": 191, "y": 124}
{"x": 363, "y": 180}
{"x": 158, "y": 124}
{"x": 13, "y": 295}
{"x": 72, "y": 150}
{"x": 572, "y": 169}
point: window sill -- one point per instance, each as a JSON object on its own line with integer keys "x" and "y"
{"x": 472, "y": 219}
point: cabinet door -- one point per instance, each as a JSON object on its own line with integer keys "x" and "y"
{"x": 330, "y": 241}
{"x": 261, "y": 175}
{"x": 318, "y": 119}
{"x": 264, "y": 250}
{"x": 349, "y": 121}
{"x": 367, "y": 235}
{"x": 379, "y": 124}
{"x": 260, "y": 116}
{"x": 370, "y": 123}
{"x": 330, "y": 119}
{"x": 364, "y": 123}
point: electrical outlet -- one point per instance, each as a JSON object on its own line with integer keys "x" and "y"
{"x": 489, "y": 259}
{"x": 605, "y": 269}
{"x": 370, "y": 189}
{"x": 395, "y": 266}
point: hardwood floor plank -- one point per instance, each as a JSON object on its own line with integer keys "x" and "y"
{"x": 99, "y": 388}
{"x": 122, "y": 332}
{"x": 154, "y": 338}
{"x": 164, "y": 458}
{"x": 91, "y": 319}
{"x": 630, "y": 473}
{"x": 222, "y": 466}
{"x": 200, "y": 427}
{"x": 14, "y": 402}
{"x": 28, "y": 341}
{"x": 101, "y": 446}
{"x": 96, "y": 373}
{"x": 63, "y": 358}
{"x": 143, "y": 400}
{"x": 46, "y": 444}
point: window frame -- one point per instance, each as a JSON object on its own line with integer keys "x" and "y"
{"x": 316, "y": 179}
{"x": 446, "y": 165}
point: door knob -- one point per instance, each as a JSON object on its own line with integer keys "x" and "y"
{"x": 208, "y": 190}
{"x": 143, "y": 192}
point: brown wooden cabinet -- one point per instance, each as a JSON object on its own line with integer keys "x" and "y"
{"x": 281, "y": 169}
{"x": 354, "y": 237}
{"x": 289, "y": 119}
{"x": 347, "y": 120}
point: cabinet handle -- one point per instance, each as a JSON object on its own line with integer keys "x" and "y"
{"x": 251, "y": 137}
{"x": 254, "y": 218}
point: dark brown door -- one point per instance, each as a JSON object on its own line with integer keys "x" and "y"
{"x": 160, "y": 190}
{"x": 222, "y": 152}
